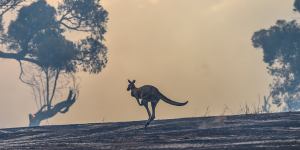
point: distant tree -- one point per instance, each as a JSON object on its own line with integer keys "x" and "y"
{"x": 281, "y": 49}
{"x": 48, "y": 59}
{"x": 266, "y": 106}
{"x": 297, "y": 5}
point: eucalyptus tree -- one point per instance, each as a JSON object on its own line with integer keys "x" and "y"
{"x": 37, "y": 39}
{"x": 281, "y": 48}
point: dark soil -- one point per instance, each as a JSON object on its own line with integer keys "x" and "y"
{"x": 279, "y": 131}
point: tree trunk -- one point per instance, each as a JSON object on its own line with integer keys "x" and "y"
{"x": 62, "y": 107}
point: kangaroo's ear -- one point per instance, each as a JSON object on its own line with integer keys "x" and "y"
{"x": 129, "y": 81}
{"x": 133, "y": 81}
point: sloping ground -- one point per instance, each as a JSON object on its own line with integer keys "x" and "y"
{"x": 265, "y": 131}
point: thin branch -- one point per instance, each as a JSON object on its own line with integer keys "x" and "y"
{"x": 55, "y": 84}
{"x": 206, "y": 112}
{"x": 21, "y": 74}
{"x": 9, "y": 6}
{"x": 35, "y": 96}
{"x": 76, "y": 28}
{"x": 47, "y": 88}
{"x": 38, "y": 91}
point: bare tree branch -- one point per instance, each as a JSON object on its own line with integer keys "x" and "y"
{"x": 7, "y": 5}
{"x": 61, "y": 107}
{"x": 21, "y": 74}
{"x": 18, "y": 57}
{"x": 55, "y": 84}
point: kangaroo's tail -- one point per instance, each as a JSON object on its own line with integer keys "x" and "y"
{"x": 169, "y": 101}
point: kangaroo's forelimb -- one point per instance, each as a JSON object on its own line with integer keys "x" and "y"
{"x": 138, "y": 101}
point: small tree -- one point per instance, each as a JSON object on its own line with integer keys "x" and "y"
{"x": 281, "y": 48}
{"x": 48, "y": 60}
{"x": 266, "y": 106}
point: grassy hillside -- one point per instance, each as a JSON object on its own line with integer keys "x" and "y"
{"x": 264, "y": 131}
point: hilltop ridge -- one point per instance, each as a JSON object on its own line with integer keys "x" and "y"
{"x": 240, "y": 132}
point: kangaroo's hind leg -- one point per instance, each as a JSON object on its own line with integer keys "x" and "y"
{"x": 153, "y": 105}
{"x": 149, "y": 114}
{"x": 152, "y": 117}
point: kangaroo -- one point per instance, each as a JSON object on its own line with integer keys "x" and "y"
{"x": 149, "y": 93}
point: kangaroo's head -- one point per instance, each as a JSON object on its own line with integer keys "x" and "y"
{"x": 131, "y": 85}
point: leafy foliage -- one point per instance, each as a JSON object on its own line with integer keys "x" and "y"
{"x": 89, "y": 16}
{"x": 39, "y": 35}
{"x": 281, "y": 49}
{"x": 297, "y": 5}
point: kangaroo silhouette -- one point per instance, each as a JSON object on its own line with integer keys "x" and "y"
{"x": 149, "y": 93}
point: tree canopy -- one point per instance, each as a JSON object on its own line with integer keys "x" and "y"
{"x": 38, "y": 35}
{"x": 281, "y": 48}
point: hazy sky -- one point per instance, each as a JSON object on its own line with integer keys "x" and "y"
{"x": 196, "y": 50}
